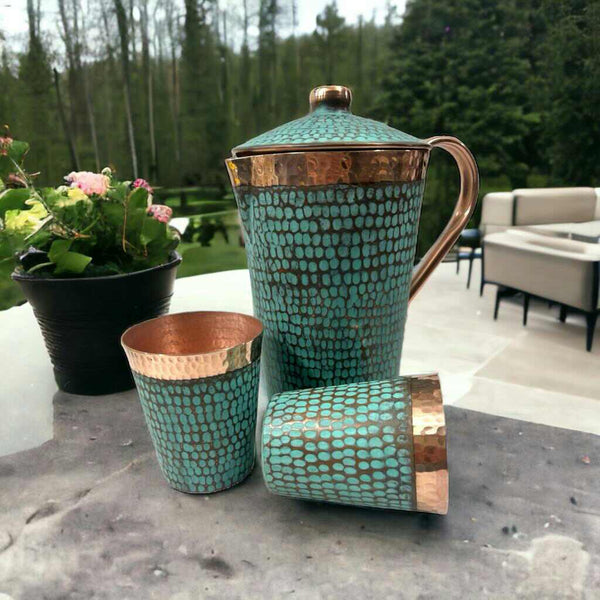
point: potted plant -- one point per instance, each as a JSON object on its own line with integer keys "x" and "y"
{"x": 93, "y": 257}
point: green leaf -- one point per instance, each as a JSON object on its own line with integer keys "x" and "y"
{"x": 13, "y": 199}
{"x": 26, "y": 222}
{"x": 138, "y": 198}
{"x": 137, "y": 207}
{"x": 117, "y": 192}
{"x": 52, "y": 197}
{"x": 114, "y": 213}
{"x": 10, "y": 244}
{"x": 58, "y": 249}
{"x": 71, "y": 262}
{"x": 152, "y": 230}
{"x": 17, "y": 150}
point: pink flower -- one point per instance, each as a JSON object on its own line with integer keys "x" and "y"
{"x": 89, "y": 183}
{"x": 160, "y": 212}
{"x": 143, "y": 184}
{"x": 5, "y": 143}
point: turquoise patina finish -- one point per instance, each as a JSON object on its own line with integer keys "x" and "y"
{"x": 330, "y": 206}
{"x": 203, "y": 430}
{"x": 328, "y": 124}
{"x": 331, "y": 269}
{"x": 350, "y": 444}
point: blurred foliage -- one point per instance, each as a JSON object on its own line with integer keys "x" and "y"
{"x": 97, "y": 226}
{"x": 517, "y": 81}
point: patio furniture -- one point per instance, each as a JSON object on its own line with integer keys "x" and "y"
{"x": 470, "y": 239}
{"x": 582, "y": 232}
{"x": 538, "y": 206}
{"x": 559, "y": 270}
{"x": 573, "y": 213}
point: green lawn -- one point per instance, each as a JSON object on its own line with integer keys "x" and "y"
{"x": 219, "y": 256}
{"x": 197, "y": 259}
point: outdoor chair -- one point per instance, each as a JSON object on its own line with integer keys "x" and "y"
{"x": 468, "y": 248}
{"x": 563, "y": 271}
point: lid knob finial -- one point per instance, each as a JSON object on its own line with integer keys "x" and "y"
{"x": 334, "y": 96}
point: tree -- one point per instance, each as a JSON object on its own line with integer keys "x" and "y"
{"x": 245, "y": 114}
{"x": 571, "y": 57}
{"x": 267, "y": 63}
{"x": 460, "y": 68}
{"x": 35, "y": 110}
{"x": 124, "y": 39}
{"x": 70, "y": 34}
{"x": 148, "y": 93}
{"x": 330, "y": 36}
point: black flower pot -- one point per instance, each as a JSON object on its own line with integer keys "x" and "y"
{"x": 82, "y": 320}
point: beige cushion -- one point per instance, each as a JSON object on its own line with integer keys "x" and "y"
{"x": 487, "y": 229}
{"x": 590, "y": 229}
{"x": 553, "y": 268}
{"x": 496, "y": 212}
{"x": 554, "y": 205}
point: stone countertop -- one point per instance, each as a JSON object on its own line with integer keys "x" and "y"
{"x": 88, "y": 515}
{"x": 85, "y": 513}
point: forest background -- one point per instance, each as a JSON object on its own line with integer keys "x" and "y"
{"x": 164, "y": 89}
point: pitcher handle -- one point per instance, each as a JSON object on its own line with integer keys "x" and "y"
{"x": 467, "y": 199}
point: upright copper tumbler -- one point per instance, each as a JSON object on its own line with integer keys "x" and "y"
{"x": 197, "y": 377}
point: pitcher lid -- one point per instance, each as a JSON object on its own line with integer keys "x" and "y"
{"x": 329, "y": 125}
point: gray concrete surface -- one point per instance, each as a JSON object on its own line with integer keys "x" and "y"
{"x": 88, "y": 515}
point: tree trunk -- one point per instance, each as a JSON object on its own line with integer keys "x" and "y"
{"x": 65, "y": 124}
{"x": 90, "y": 109}
{"x": 175, "y": 101}
{"x": 149, "y": 91}
{"x": 124, "y": 39}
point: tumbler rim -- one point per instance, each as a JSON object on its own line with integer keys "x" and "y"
{"x": 171, "y": 346}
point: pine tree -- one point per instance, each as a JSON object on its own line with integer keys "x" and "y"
{"x": 571, "y": 57}
{"x": 330, "y": 36}
{"x": 35, "y": 110}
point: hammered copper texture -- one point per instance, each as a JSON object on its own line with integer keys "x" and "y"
{"x": 347, "y": 444}
{"x": 203, "y": 430}
{"x": 193, "y": 345}
{"x": 330, "y": 268}
{"x": 356, "y": 444}
{"x": 429, "y": 440}
{"x": 329, "y": 167}
{"x": 330, "y": 122}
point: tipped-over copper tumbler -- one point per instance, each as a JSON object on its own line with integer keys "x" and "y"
{"x": 379, "y": 444}
{"x": 197, "y": 376}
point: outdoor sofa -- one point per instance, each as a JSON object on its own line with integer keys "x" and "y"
{"x": 545, "y": 244}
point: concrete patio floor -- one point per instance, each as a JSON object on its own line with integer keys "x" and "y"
{"x": 540, "y": 373}
{"x": 88, "y": 515}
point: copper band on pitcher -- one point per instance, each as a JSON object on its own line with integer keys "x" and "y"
{"x": 329, "y": 167}
{"x": 429, "y": 443}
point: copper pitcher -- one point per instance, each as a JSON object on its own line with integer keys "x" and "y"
{"x": 330, "y": 207}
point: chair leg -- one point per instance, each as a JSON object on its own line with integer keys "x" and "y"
{"x": 470, "y": 268}
{"x": 591, "y": 326}
{"x": 457, "y": 264}
{"x": 525, "y": 308}
{"x": 482, "y": 279}
{"x": 562, "y": 316}
{"x": 497, "y": 305}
